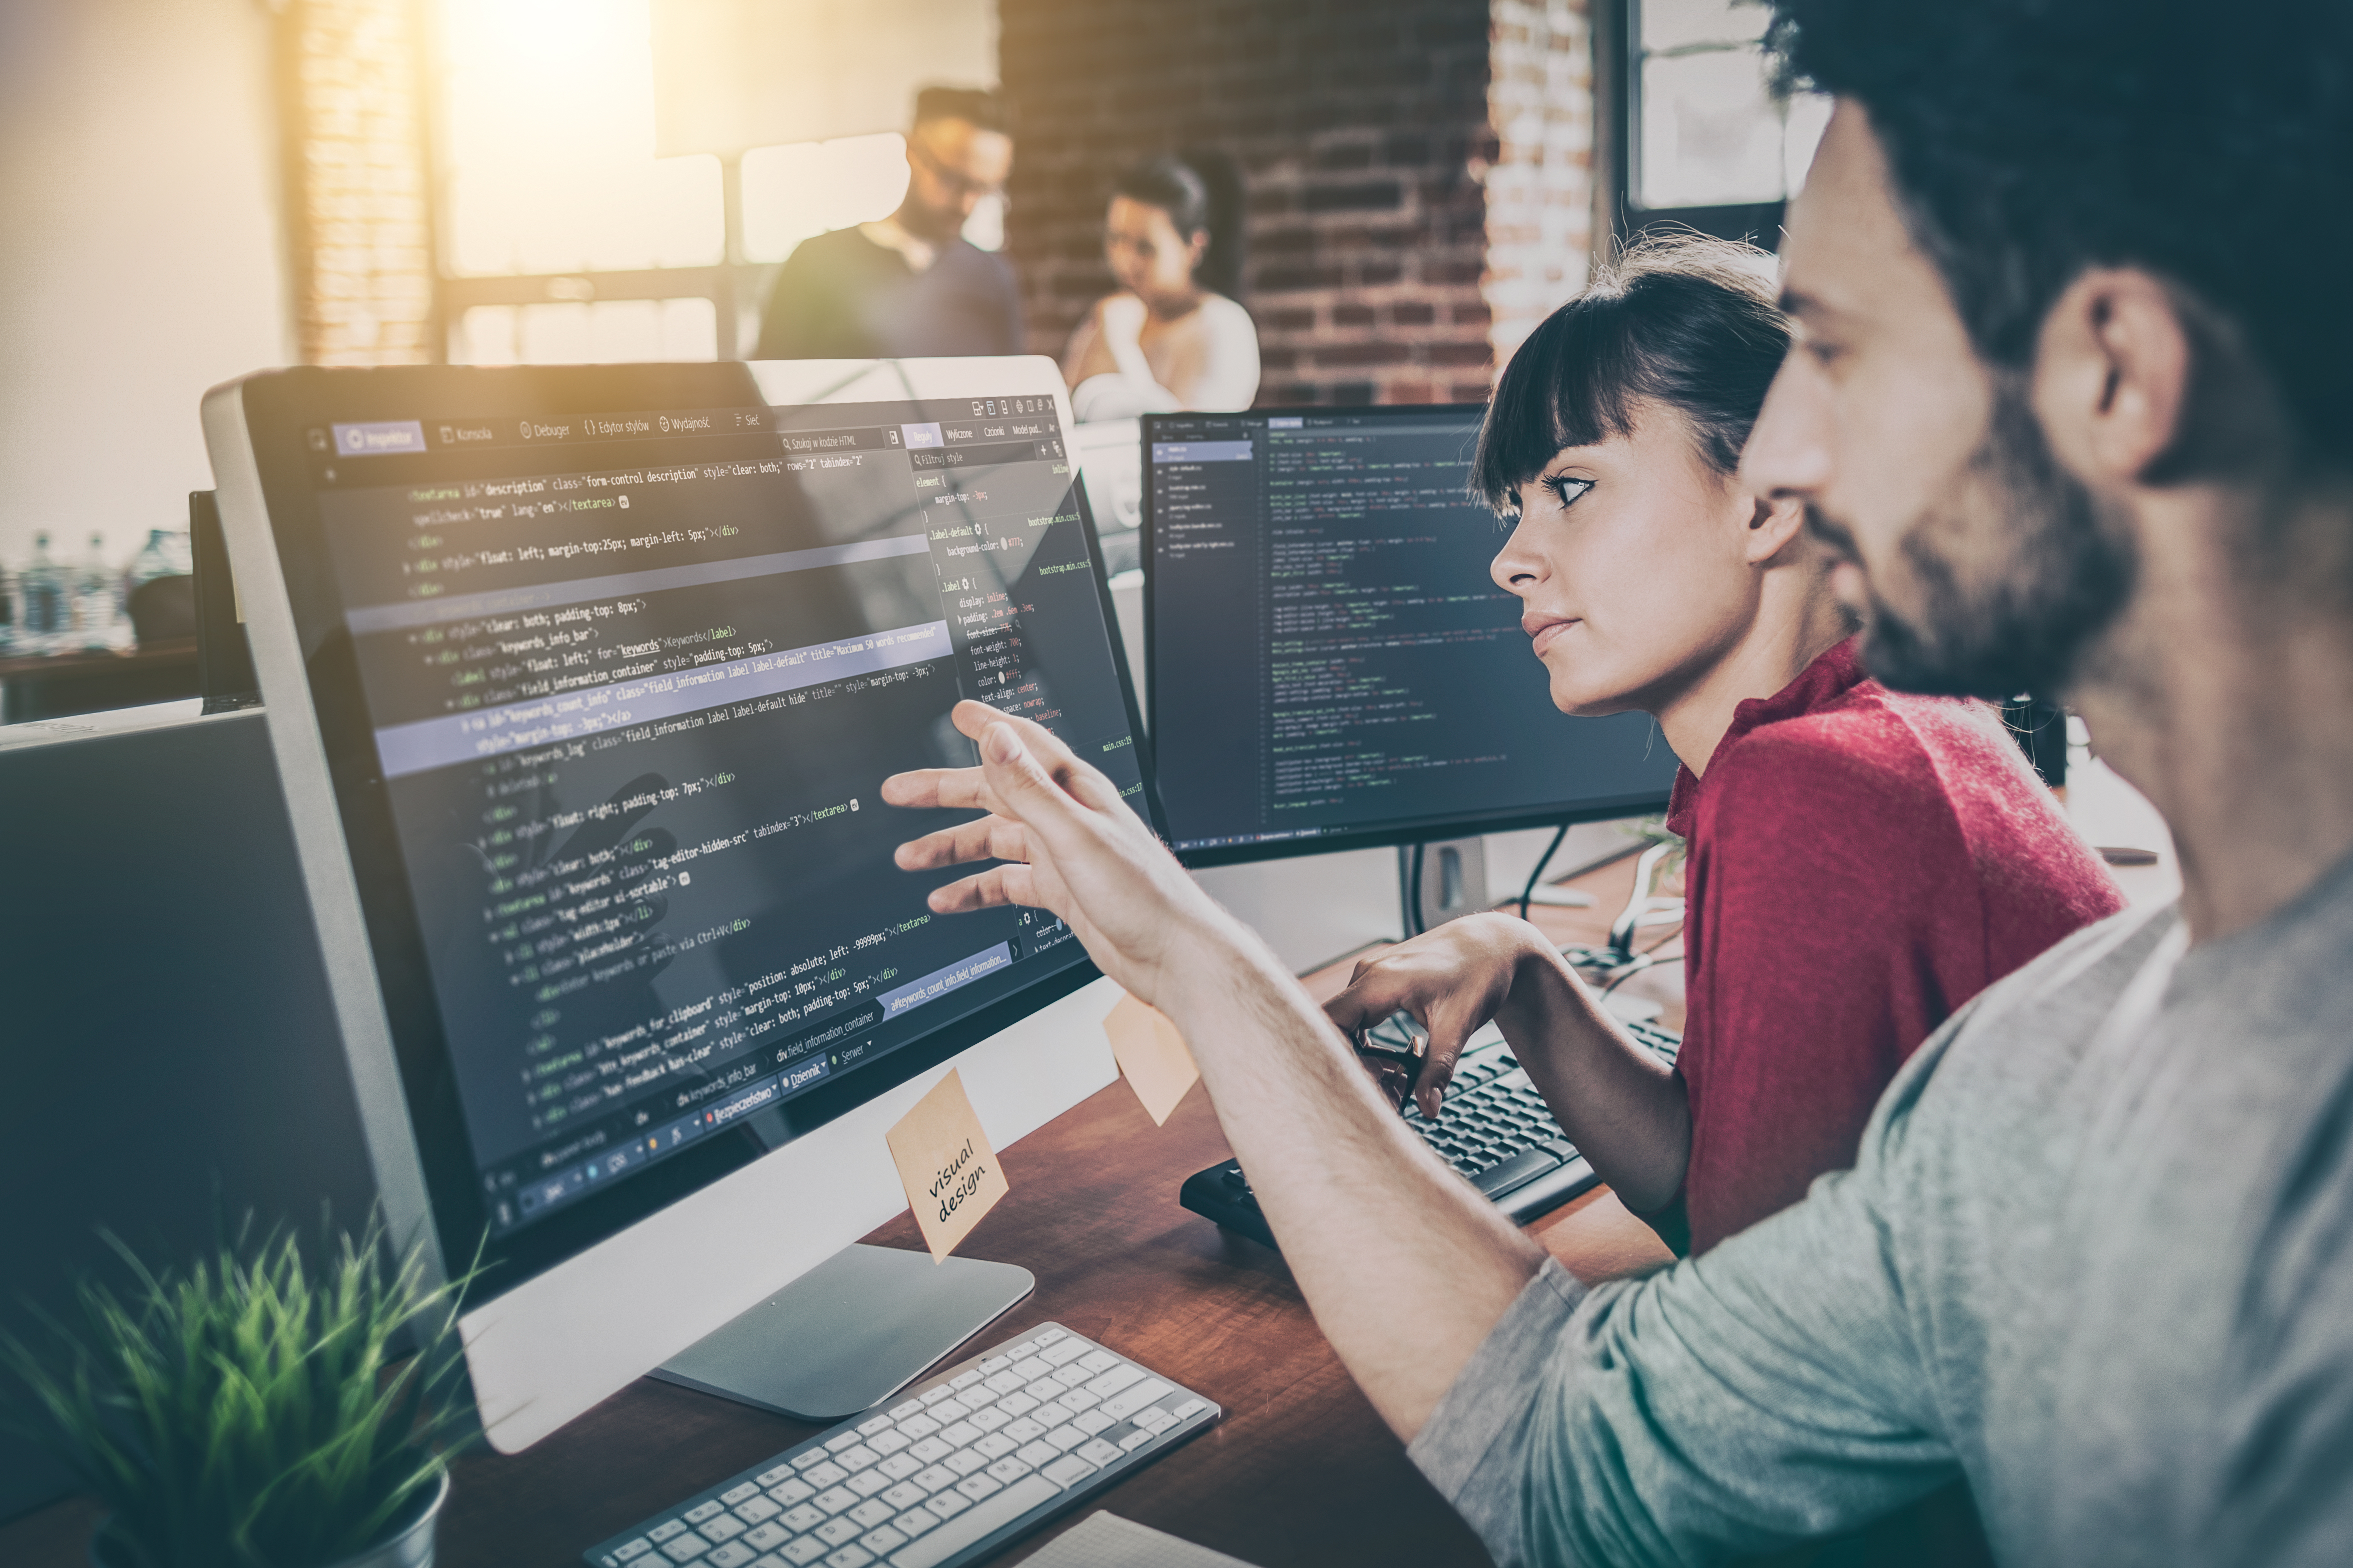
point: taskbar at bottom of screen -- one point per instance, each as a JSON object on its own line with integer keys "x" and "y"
{"x": 1286, "y": 837}
{"x": 582, "y": 1166}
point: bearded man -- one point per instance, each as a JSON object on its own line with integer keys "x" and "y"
{"x": 2070, "y": 399}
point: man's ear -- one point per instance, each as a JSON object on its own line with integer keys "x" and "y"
{"x": 2112, "y": 376}
{"x": 1773, "y": 522}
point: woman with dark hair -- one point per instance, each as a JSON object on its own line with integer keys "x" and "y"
{"x": 1859, "y": 862}
{"x": 1173, "y": 336}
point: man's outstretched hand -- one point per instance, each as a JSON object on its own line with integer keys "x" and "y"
{"x": 1067, "y": 844}
{"x": 1406, "y": 1266}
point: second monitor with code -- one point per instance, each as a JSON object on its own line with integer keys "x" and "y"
{"x": 1331, "y": 667}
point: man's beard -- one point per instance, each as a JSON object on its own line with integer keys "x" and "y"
{"x": 2020, "y": 626}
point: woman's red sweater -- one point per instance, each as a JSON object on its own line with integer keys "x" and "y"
{"x": 1862, "y": 862}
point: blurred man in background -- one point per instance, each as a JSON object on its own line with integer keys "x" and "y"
{"x": 910, "y": 284}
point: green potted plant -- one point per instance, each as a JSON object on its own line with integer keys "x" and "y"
{"x": 252, "y": 1412}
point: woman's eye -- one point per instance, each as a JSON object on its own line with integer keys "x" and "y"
{"x": 1566, "y": 489}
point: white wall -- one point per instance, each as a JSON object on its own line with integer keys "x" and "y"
{"x": 735, "y": 74}
{"x": 1317, "y": 908}
{"x": 140, "y": 257}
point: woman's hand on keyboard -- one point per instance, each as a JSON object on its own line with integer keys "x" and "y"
{"x": 1068, "y": 843}
{"x": 1454, "y": 979}
{"x": 1623, "y": 1108}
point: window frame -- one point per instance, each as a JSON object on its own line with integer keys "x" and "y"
{"x": 727, "y": 283}
{"x": 1618, "y": 126}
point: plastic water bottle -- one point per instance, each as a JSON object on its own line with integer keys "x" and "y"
{"x": 99, "y": 621}
{"x": 165, "y": 554}
{"x": 47, "y": 615}
{"x": 7, "y": 611}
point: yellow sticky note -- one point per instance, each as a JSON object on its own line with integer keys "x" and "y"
{"x": 945, "y": 1161}
{"x": 1153, "y": 1056}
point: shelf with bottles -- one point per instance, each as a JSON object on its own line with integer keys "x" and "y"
{"x": 51, "y": 607}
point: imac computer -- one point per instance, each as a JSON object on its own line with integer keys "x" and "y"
{"x": 582, "y": 683}
{"x": 1329, "y": 664}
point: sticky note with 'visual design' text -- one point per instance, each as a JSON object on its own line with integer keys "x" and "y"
{"x": 946, "y": 1164}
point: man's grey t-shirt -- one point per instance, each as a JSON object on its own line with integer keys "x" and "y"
{"x": 842, "y": 295}
{"x": 2097, "y": 1254}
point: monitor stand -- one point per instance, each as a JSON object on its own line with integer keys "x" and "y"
{"x": 850, "y": 1332}
{"x": 1453, "y": 882}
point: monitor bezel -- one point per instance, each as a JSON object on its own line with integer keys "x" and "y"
{"x": 1609, "y": 808}
{"x": 368, "y": 926}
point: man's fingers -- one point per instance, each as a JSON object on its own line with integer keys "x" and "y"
{"x": 954, "y": 789}
{"x": 992, "y": 888}
{"x": 1082, "y": 779}
{"x": 1056, "y": 761}
{"x": 982, "y": 892}
{"x": 975, "y": 720}
{"x": 989, "y": 839}
{"x": 972, "y": 719}
{"x": 1019, "y": 785}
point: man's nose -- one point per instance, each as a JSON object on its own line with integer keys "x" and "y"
{"x": 1789, "y": 452}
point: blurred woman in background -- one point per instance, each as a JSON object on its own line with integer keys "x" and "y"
{"x": 1173, "y": 337}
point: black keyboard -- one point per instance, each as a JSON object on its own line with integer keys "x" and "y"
{"x": 1494, "y": 1128}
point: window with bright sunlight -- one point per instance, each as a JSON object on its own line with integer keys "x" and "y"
{"x": 548, "y": 173}
{"x": 1709, "y": 131}
{"x": 548, "y": 127}
{"x": 792, "y": 194}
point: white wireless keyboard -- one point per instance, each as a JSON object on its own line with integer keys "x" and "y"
{"x": 959, "y": 1466}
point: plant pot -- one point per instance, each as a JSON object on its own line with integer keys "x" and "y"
{"x": 411, "y": 1546}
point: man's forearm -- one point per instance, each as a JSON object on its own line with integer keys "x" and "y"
{"x": 1405, "y": 1266}
{"x": 1625, "y": 1111}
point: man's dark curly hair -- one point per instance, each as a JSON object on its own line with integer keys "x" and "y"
{"x": 2030, "y": 140}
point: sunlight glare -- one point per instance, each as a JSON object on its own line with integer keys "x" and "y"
{"x": 795, "y": 191}
{"x": 548, "y": 128}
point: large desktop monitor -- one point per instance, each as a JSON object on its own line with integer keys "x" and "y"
{"x": 1330, "y": 665}
{"x": 582, "y": 683}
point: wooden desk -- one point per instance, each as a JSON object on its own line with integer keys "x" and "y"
{"x": 53, "y": 686}
{"x": 1300, "y": 1472}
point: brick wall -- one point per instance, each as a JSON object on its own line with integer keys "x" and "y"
{"x": 1540, "y": 190}
{"x": 1364, "y": 128}
{"x": 359, "y": 215}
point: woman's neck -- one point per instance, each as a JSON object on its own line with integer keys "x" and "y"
{"x": 1166, "y": 307}
{"x": 1773, "y": 651}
